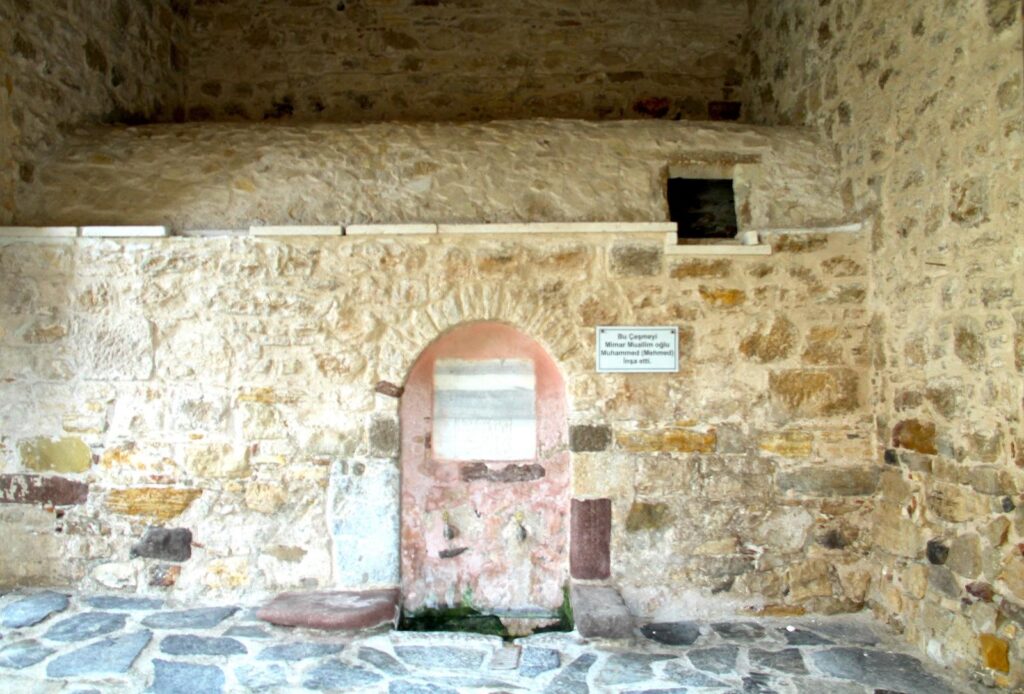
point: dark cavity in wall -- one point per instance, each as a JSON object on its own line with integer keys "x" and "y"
{"x": 703, "y": 208}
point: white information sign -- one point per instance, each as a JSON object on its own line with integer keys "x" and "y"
{"x": 637, "y": 349}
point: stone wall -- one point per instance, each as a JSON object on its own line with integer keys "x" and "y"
{"x": 224, "y": 176}
{"x": 922, "y": 101}
{"x": 353, "y": 60}
{"x": 88, "y": 61}
{"x": 226, "y": 386}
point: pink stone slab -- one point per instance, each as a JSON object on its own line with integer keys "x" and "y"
{"x": 332, "y": 609}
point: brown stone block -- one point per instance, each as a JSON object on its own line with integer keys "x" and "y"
{"x": 700, "y": 267}
{"x": 589, "y": 438}
{"x": 332, "y": 610}
{"x": 161, "y": 503}
{"x": 37, "y": 489}
{"x": 668, "y": 441}
{"x": 722, "y": 297}
{"x": 915, "y": 435}
{"x": 771, "y": 345}
{"x": 590, "y": 539}
{"x": 815, "y": 393}
{"x": 800, "y": 243}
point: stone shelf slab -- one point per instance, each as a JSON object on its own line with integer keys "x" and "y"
{"x": 332, "y": 610}
{"x": 152, "y": 231}
{"x": 296, "y": 230}
{"x": 38, "y": 232}
{"x": 718, "y": 249}
{"x": 389, "y": 229}
{"x": 560, "y": 228}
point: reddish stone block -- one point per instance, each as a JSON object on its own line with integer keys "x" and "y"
{"x": 332, "y": 609}
{"x": 39, "y": 489}
{"x": 590, "y": 542}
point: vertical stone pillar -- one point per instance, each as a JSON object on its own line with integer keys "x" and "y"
{"x": 590, "y": 540}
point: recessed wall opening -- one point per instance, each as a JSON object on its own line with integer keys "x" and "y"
{"x": 704, "y": 208}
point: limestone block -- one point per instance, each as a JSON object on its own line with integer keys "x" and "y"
{"x": 264, "y": 497}
{"x": 788, "y": 444}
{"x": 772, "y": 343}
{"x": 219, "y": 460}
{"x": 915, "y": 435}
{"x": 598, "y": 474}
{"x": 809, "y": 579}
{"x": 262, "y": 421}
{"x": 896, "y": 534}
{"x": 68, "y": 454}
{"x": 227, "y": 574}
{"x": 363, "y": 503}
{"x": 829, "y": 480}
{"x": 636, "y": 260}
{"x": 121, "y": 575}
{"x": 965, "y": 555}
{"x": 785, "y": 529}
{"x": 955, "y": 503}
{"x": 1013, "y": 575}
{"x": 119, "y": 349}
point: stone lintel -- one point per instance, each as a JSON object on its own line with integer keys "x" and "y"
{"x": 731, "y": 248}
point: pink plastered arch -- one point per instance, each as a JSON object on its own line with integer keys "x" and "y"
{"x": 506, "y": 545}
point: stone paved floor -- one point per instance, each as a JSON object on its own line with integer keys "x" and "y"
{"x": 109, "y": 644}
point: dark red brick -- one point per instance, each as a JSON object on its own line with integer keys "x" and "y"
{"x": 40, "y": 489}
{"x": 590, "y": 542}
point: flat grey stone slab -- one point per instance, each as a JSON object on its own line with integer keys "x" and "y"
{"x": 628, "y": 668}
{"x": 536, "y": 661}
{"x": 198, "y": 618}
{"x": 670, "y": 690}
{"x": 796, "y": 636}
{"x": 33, "y": 609}
{"x": 441, "y": 657}
{"x": 599, "y": 612}
{"x": 186, "y": 644}
{"x": 335, "y": 674}
{"x": 573, "y": 677}
{"x": 788, "y": 660}
{"x": 112, "y": 655}
{"x": 848, "y": 632}
{"x": 248, "y": 631}
{"x": 403, "y": 687}
{"x": 717, "y": 659}
{"x": 384, "y": 662}
{"x": 739, "y": 631}
{"x": 761, "y": 683}
{"x": 672, "y": 633}
{"x": 688, "y": 677}
{"x": 22, "y": 654}
{"x": 172, "y": 677}
{"x": 299, "y": 650}
{"x": 86, "y": 625}
{"x": 262, "y": 676}
{"x": 879, "y": 669}
{"x": 115, "y": 602}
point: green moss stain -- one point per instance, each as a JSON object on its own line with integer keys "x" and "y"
{"x": 461, "y": 618}
{"x": 69, "y": 454}
{"x": 643, "y": 516}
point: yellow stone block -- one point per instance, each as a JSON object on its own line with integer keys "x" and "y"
{"x": 668, "y": 441}
{"x": 68, "y": 454}
{"x": 995, "y": 652}
{"x": 723, "y": 298}
{"x": 788, "y": 444}
{"x": 225, "y": 574}
{"x": 216, "y": 460}
{"x": 160, "y": 503}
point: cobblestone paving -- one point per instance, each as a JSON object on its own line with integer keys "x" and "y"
{"x": 49, "y": 643}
